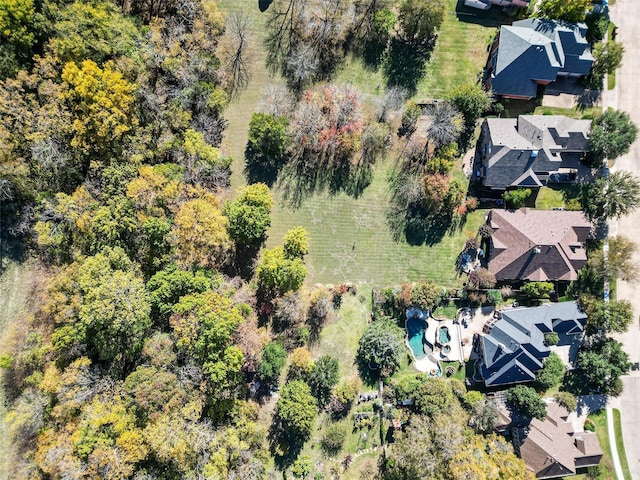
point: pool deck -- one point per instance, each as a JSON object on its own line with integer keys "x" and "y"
{"x": 425, "y": 364}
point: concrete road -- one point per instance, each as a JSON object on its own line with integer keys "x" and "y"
{"x": 626, "y": 97}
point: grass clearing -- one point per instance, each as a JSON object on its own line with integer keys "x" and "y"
{"x": 350, "y": 240}
{"x": 461, "y": 50}
{"x": 622, "y": 455}
{"x": 340, "y": 338}
{"x": 577, "y": 112}
{"x": 611, "y": 77}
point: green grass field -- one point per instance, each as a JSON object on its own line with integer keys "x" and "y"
{"x": 461, "y": 51}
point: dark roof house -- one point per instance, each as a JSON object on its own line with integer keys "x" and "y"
{"x": 486, "y": 4}
{"x": 537, "y": 245}
{"x": 514, "y": 349}
{"x": 535, "y": 52}
{"x": 532, "y": 150}
{"x": 552, "y": 448}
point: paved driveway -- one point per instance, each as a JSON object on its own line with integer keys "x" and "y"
{"x": 625, "y": 97}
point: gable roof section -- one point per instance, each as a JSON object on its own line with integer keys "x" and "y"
{"x": 514, "y": 349}
{"x": 537, "y": 245}
{"x": 522, "y": 149}
{"x": 537, "y": 50}
{"x": 551, "y": 448}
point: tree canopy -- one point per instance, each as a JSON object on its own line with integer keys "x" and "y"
{"x": 611, "y": 136}
{"x": 611, "y": 197}
{"x": 527, "y": 402}
{"x": 381, "y": 347}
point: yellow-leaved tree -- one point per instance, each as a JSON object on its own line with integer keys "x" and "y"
{"x": 102, "y": 103}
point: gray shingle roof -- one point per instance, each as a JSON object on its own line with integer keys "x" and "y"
{"x": 514, "y": 350}
{"x": 538, "y": 50}
{"x": 533, "y": 144}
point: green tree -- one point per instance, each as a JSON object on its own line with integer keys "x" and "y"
{"x": 167, "y": 286}
{"x": 426, "y": 295}
{"x": 203, "y": 325}
{"x": 382, "y": 346}
{"x": 250, "y": 214}
{"x": 267, "y": 144}
{"x": 527, "y": 402}
{"x": 537, "y": 289}
{"x": 419, "y": 20}
{"x": 276, "y": 271}
{"x": 597, "y": 25}
{"x": 567, "y": 400}
{"x": 471, "y": 100}
{"x": 602, "y": 318}
{"x": 18, "y": 31}
{"x": 551, "y": 338}
{"x": 516, "y": 198}
{"x": 607, "y": 57}
{"x": 333, "y": 439}
{"x": 611, "y": 136}
{"x": 551, "y": 373}
{"x": 484, "y": 416}
{"x": 94, "y": 31}
{"x": 296, "y": 409}
{"x": 570, "y": 11}
{"x": 612, "y": 197}
{"x": 273, "y": 359}
{"x": 296, "y": 242}
{"x": 619, "y": 264}
{"x": 110, "y": 309}
{"x": 324, "y": 376}
{"x": 603, "y": 364}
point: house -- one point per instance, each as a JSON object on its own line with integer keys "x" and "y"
{"x": 514, "y": 349}
{"x": 536, "y": 52}
{"x": 531, "y": 151}
{"x": 551, "y": 448}
{"x": 486, "y": 4}
{"x": 536, "y": 245}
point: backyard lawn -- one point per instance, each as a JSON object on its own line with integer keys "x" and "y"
{"x": 461, "y": 51}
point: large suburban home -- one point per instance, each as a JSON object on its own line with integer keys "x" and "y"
{"x": 536, "y": 245}
{"x": 486, "y": 4}
{"x": 536, "y": 52}
{"x": 551, "y": 448}
{"x": 531, "y": 151}
{"x": 514, "y": 348}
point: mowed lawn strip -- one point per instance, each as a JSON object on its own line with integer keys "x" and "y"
{"x": 461, "y": 49}
{"x": 350, "y": 240}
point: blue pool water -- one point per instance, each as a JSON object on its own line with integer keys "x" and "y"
{"x": 444, "y": 335}
{"x": 415, "y": 332}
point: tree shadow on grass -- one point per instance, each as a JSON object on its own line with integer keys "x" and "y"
{"x": 405, "y": 64}
{"x": 416, "y": 226}
{"x": 300, "y": 180}
{"x": 368, "y": 375}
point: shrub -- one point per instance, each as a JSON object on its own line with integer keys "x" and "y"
{"x": 589, "y": 425}
{"x": 516, "y": 198}
{"x": 551, "y": 338}
{"x": 333, "y": 439}
{"x": 537, "y": 289}
{"x": 567, "y": 400}
{"x": 494, "y": 297}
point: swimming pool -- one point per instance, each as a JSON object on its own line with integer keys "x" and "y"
{"x": 415, "y": 334}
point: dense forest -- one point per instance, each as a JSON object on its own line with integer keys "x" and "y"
{"x": 163, "y": 340}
